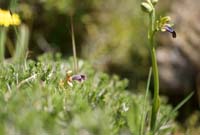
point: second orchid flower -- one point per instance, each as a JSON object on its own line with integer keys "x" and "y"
{"x": 78, "y": 77}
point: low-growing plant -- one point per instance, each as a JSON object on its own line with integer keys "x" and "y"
{"x": 33, "y": 100}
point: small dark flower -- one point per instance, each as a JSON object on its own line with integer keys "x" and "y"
{"x": 169, "y": 29}
{"x": 70, "y": 78}
{"x": 79, "y": 78}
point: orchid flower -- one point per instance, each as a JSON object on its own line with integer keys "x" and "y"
{"x": 163, "y": 24}
{"x": 78, "y": 77}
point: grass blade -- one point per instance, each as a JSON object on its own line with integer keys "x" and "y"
{"x": 165, "y": 119}
{"x": 2, "y": 42}
{"x": 22, "y": 44}
{"x": 74, "y": 46}
{"x": 145, "y": 102}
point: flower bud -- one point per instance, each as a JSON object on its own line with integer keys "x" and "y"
{"x": 146, "y": 7}
{"x": 165, "y": 19}
{"x": 154, "y": 2}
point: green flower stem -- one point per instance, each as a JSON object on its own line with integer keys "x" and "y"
{"x": 2, "y": 43}
{"x": 156, "y": 100}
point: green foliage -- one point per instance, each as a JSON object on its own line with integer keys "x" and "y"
{"x": 102, "y": 30}
{"x": 40, "y": 105}
{"x": 32, "y": 100}
{"x": 2, "y": 42}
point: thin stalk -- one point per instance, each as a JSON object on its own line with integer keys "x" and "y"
{"x": 156, "y": 100}
{"x": 22, "y": 44}
{"x": 74, "y": 46}
{"x": 2, "y": 43}
{"x": 13, "y": 5}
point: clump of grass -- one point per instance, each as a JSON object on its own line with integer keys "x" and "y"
{"x": 32, "y": 100}
{"x": 22, "y": 44}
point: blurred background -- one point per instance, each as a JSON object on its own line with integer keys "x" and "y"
{"x": 112, "y": 35}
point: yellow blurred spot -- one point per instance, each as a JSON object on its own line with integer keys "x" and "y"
{"x": 7, "y": 19}
{"x": 69, "y": 72}
{"x": 61, "y": 83}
